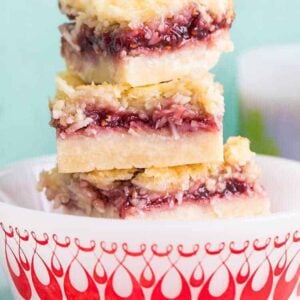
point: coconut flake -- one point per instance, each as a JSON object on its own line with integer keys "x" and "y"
{"x": 181, "y": 99}
{"x": 161, "y": 122}
{"x": 171, "y": 204}
{"x": 99, "y": 206}
{"x": 133, "y": 132}
{"x": 179, "y": 197}
{"x": 64, "y": 87}
{"x": 78, "y": 125}
{"x": 68, "y": 37}
{"x": 174, "y": 131}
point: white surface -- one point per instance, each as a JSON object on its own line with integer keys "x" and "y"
{"x": 269, "y": 81}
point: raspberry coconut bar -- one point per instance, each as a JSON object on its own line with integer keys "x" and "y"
{"x": 203, "y": 191}
{"x": 104, "y": 127}
{"x": 144, "y": 42}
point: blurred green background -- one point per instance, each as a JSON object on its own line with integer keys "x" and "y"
{"x": 29, "y": 59}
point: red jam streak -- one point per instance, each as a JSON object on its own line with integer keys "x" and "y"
{"x": 183, "y": 119}
{"x": 169, "y": 34}
{"x": 129, "y": 196}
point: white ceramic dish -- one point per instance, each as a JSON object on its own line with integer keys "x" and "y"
{"x": 53, "y": 256}
{"x": 4, "y": 288}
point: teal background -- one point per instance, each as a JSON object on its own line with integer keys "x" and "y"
{"x": 29, "y": 59}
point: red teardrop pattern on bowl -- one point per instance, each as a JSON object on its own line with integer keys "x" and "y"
{"x": 44, "y": 266}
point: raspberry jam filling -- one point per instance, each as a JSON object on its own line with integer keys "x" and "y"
{"x": 128, "y": 196}
{"x": 171, "y": 33}
{"x": 174, "y": 119}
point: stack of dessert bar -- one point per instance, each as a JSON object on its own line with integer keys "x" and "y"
{"x": 139, "y": 118}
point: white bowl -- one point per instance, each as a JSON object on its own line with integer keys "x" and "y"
{"x": 53, "y": 256}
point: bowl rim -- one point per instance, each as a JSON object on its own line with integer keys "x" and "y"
{"x": 87, "y": 222}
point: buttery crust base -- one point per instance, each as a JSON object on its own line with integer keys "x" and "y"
{"x": 194, "y": 58}
{"x": 116, "y": 150}
{"x": 234, "y": 207}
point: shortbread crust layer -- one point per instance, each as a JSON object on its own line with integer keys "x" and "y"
{"x": 235, "y": 206}
{"x": 214, "y": 190}
{"x": 124, "y": 151}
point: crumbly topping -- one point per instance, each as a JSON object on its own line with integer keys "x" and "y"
{"x": 73, "y": 96}
{"x": 212, "y": 176}
{"x": 237, "y": 151}
{"x": 135, "y": 12}
{"x": 176, "y": 178}
{"x": 108, "y": 179}
{"x": 56, "y": 186}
